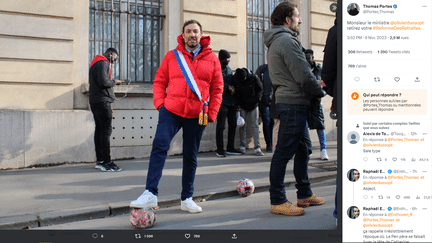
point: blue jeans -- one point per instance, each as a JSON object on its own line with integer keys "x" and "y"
{"x": 267, "y": 124}
{"x": 293, "y": 139}
{"x": 322, "y": 138}
{"x": 168, "y": 126}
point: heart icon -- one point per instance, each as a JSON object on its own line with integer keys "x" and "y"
{"x": 394, "y": 159}
{"x": 187, "y": 236}
{"x": 397, "y": 79}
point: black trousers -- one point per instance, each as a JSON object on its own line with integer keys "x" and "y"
{"x": 102, "y": 115}
{"x": 225, "y": 112}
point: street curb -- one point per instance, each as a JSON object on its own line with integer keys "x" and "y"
{"x": 121, "y": 208}
{"x": 19, "y": 222}
{"x": 73, "y": 215}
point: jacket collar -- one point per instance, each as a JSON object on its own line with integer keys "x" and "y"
{"x": 204, "y": 42}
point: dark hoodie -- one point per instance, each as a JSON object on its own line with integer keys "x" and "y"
{"x": 100, "y": 81}
{"x": 290, "y": 73}
{"x": 248, "y": 91}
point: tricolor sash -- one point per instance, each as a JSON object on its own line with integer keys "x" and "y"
{"x": 190, "y": 80}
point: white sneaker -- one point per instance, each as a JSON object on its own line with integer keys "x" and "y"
{"x": 146, "y": 200}
{"x": 324, "y": 155}
{"x": 243, "y": 149}
{"x": 189, "y": 205}
{"x": 258, "y": 152}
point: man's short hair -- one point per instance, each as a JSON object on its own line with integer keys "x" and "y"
{"x": 283, "y": 10}
{"x": 192, "y": 21}
{"x": 111, "y": 50}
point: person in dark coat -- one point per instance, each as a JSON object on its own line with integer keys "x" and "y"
{"x": 316, "y": 112}
{"x": 228, "y": 109}
{"x": 101, "y": 95}
{"x": 329, "y": 77}
{"x": 264, "y": 105}
{"x": 248, "y": 92}
{"x": 329, "y": 70}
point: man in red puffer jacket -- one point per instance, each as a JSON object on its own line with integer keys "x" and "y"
{"x": 180, "y": 107}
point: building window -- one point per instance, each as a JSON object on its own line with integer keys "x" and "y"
{"x": 258, "y": 20}
{"x": 133, "y": 27}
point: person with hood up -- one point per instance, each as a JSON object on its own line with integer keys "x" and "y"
{"x": 248, "y": 92}
{"x": 101, "y": 95}
{"x": 295, "y": 86}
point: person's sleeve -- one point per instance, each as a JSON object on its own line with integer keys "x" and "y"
{"x": 258, "y": 73}
{"x": 216, "y": 90}
{"x": 103, "y": 73}
{"x": 259, "y": 87}
{"x": 160, "y": 82}
{"x": 329, "y": 69}
{"x": 300, "y": 69}
{"x": 319, "y": 72}
{"x": 226, "y": 86}
{"x": 237, "y": 89}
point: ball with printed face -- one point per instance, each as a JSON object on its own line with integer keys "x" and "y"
{"x": 245, "y": 187}
{"x": 142, "y": 218}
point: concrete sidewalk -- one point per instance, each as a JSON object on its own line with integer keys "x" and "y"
{"x": 39, "y": 197}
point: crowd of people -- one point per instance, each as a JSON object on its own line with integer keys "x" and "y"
{"x": 194, "y": 87}
{"x": 251, "y": 96}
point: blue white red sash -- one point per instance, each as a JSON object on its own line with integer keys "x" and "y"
{"x": 190, "y": 80}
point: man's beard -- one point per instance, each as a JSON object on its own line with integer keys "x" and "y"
{"x": 296, "y": 31}
{"x": 192, "y": 45}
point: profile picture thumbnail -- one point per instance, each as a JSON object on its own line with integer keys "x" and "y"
{"x": 353, "y": 212}
{"x": 353, "y": 175}
{"x": 353, "y": 9}
{"x": 353, "y": 137}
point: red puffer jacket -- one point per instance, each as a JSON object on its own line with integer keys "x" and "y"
{"x": 171, "y": 90}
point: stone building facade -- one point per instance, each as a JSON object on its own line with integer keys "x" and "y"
{"x": 47, "y": 46}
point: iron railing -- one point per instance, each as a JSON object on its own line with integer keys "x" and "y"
{"x": 258, "y": 20}
{"x": 133, "y": 27}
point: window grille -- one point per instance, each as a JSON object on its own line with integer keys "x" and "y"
{"x": 133, "y": 27}
{"x": 258, "y": 20}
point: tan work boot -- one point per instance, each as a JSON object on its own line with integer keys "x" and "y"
{"x": 286, "y": 208}
{"x": 310, "y": 201}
